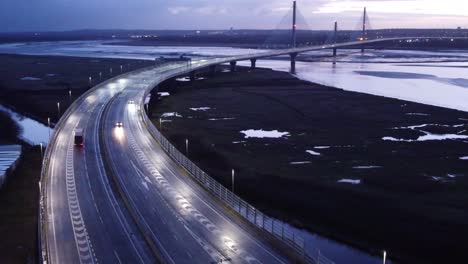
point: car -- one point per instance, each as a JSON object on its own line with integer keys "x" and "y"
{"x": 119, "y": 124}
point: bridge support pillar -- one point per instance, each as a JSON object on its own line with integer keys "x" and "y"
{"x": 293, "y": 62}
{"x": 334, "y": 52}
{"x": 212, "y": 70}
{"x": 253, "y": 63}
{"x": 233, "y": 65}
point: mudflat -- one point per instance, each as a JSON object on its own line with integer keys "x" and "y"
{"x": 33, "y": 85}
{"x": 374, "y": 172}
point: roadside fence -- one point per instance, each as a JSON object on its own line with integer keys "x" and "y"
{"x": 279, "y": 229}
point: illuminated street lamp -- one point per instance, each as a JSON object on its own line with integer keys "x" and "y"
{"x": 233, "y": 177}
{"x": 41, "y": 149}
{"x": 58, "y": 109}
{"x": 48, "y": 125}
{"x": 384, "y": 257}
{"x": 186, "y": 146}
{"x": 70, "y": 95}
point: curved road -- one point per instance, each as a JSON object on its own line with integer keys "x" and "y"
{"x": 89, "y": 222}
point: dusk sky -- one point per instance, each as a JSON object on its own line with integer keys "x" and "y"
{"x": 45, "y": 15}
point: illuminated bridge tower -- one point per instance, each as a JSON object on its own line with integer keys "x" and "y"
{"x": 294, "y": 26}
{"x": 335, "y": 37}
{"x": 364, "y": 28}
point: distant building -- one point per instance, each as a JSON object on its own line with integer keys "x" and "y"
{"x": 9, "y": 157}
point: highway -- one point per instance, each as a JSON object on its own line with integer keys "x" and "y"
{"x": 179, "y": 209}
{"x": 89, "y": 223}
{"x": 122, "y": 199}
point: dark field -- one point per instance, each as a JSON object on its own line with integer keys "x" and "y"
{"x": 56, "y": 76}
{"x": 9, "y": 129}
{"x": 409, "y": 197}
{"x": 18, "y": 210}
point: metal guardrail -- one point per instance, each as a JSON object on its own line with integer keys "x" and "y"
{"x": 279, "y": 229}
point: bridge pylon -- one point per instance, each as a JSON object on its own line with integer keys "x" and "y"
{"x": 294, "y": 25}
{"x": 364, "y": 27}
{"x": 335, "y": 37}
{"x": 293, "y": 62}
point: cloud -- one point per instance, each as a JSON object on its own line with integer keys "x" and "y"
{"x": 27, "y": 15}
{"x": 177, "y": 10}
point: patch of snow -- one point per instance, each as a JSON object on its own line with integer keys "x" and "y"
{"x": 322, "y": 147}
{"x": 171, "y": 115}
{"x": 239, "y": 142}
{"x": 311, "y": 152}
{"x": 200, "y": 109}
{"x": 300, "y": 162}
{"x": 218, "y": 119}
{"x": 51, "y": 75}
{"x": 252, "y": 133}
{"x": 366, "y": 167}
{"x": 451, "y": 176}
{"x": 464, "y": 158}
{"x": 437, "y": 178}
{"x": 350, "y": 181}
{"x": 31, "y": 79}
{"x": 416, "y": 114}
{"x": 428, "y": 137}
{"x": 164, "y": 94}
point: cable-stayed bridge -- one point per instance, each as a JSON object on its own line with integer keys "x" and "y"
{"x": 129, "y": 196}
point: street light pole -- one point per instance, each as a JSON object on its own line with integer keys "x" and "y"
{"x": 41, "y": 150}
{"x": 70, "y": 95}
{"x": 121, "y": 68}
{"x": 186, "y": 146}
{"x": 48, "y": 125}
{"x": 233, "y": 177}
{"x": 384, "y": 257}
{"x": 100, "y": 75}
{"x": 58, "y": 109}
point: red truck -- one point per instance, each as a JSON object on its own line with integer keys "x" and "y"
{"x": 79, "y": 139}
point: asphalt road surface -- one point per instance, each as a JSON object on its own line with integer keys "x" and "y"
{"x": 88, "y": 220}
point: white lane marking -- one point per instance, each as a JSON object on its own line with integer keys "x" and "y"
{"x": 106, "y": 185}
{"x": 166, "y": 184}
{"x": 160, "y": 245}
{"x": 83, "y": 244}
{"x": 184, "y": 205}
{"x": 117, "y": 256}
